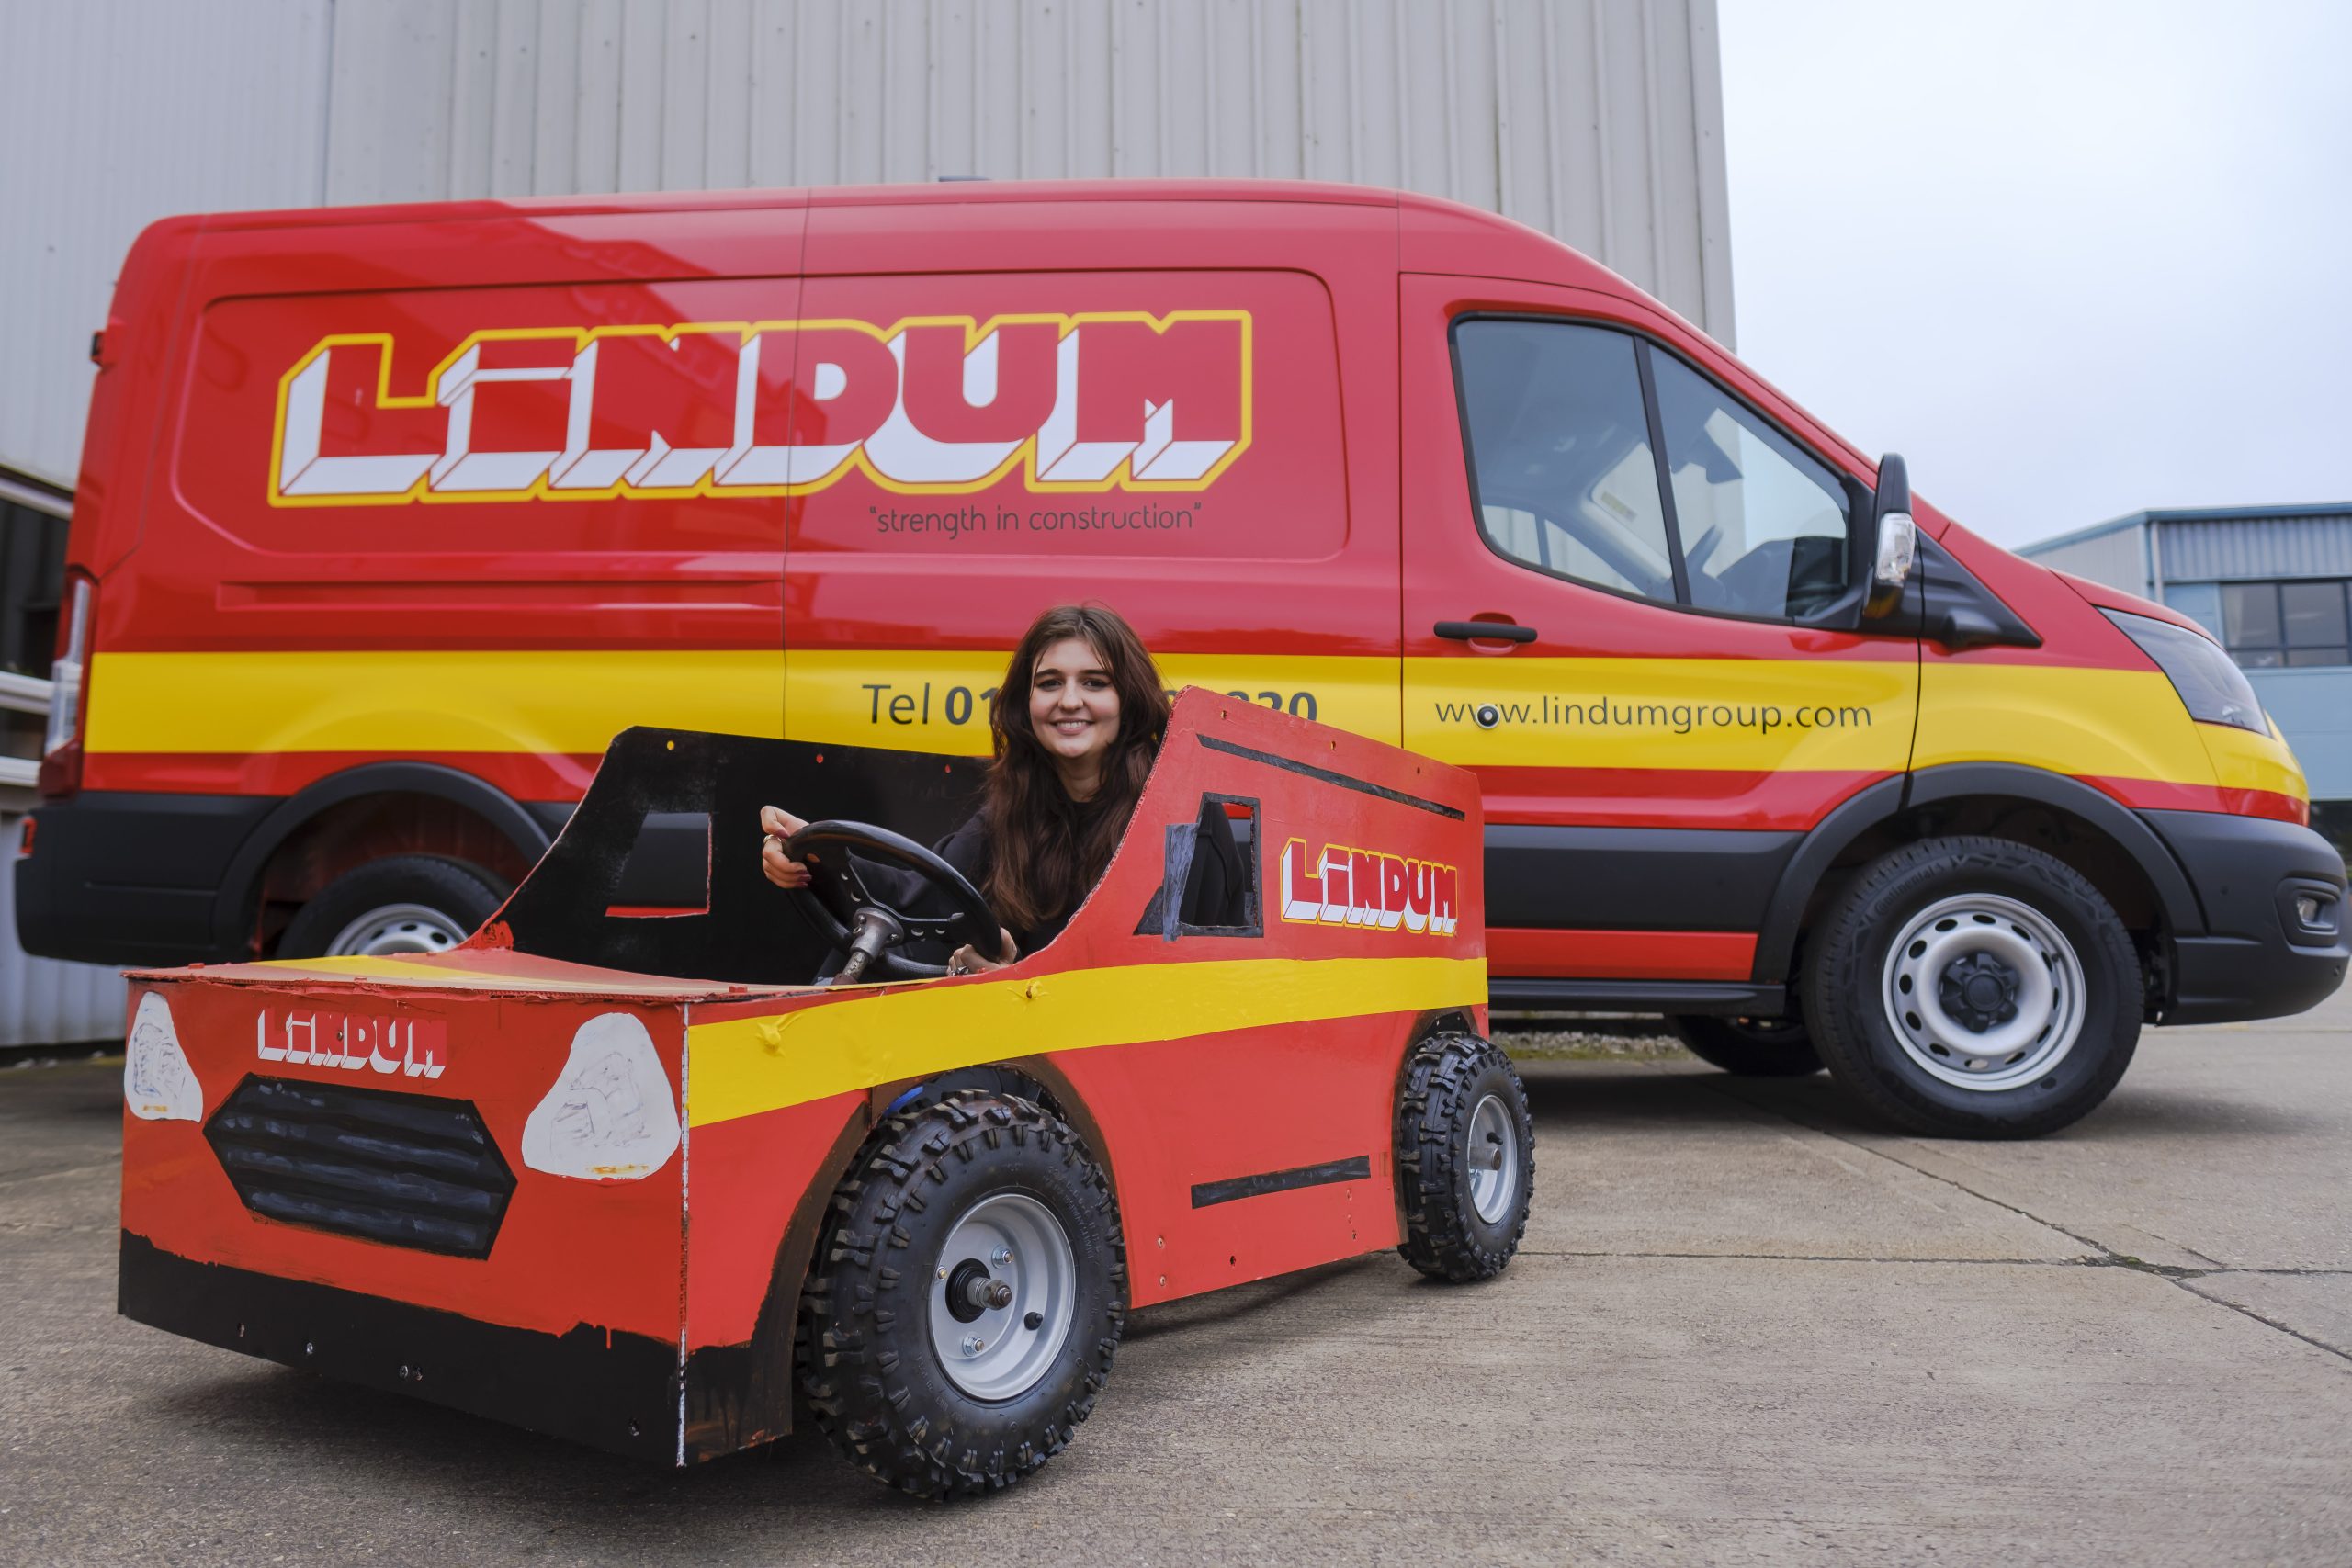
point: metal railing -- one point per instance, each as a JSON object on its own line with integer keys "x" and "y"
{"x": 22, "y": 694}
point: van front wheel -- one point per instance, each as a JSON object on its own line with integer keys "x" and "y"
{"x": 1749, "y": 1047}
{"x": 1973, "y": 987}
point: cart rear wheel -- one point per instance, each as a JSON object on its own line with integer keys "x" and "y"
{"x": 1465, "y": 1158}
{"x": 969, "y": 1292}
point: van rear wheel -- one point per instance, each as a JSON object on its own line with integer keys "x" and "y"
{"x": 1974, "y": 988}
{"x": 1749, "y": 1047}
{"x": 399, "y": 904}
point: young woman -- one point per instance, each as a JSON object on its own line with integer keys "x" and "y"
{"x": 1074, "y": 727}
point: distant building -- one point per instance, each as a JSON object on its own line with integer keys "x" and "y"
{"x": 2275, "y": 584}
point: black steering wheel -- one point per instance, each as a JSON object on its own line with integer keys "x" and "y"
{"x": 870, "y": 932}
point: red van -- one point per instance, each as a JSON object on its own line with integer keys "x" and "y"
{"x": 390, "y": 518}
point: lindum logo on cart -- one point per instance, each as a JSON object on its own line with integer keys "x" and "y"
{"x": 1348, "y": 886}
{"x": 389, "y": 1047}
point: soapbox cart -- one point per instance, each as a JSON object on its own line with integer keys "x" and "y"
{"x": 627, "y": 1163}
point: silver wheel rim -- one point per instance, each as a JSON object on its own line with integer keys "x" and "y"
{"x": 2045, "y": 1013}
{"x": 995, "y": 1354}
{"x": 396, "y": 928}
{"x": 1493, "y": 1160}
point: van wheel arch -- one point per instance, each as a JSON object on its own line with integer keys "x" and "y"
{"x": 2090, "y": 832}
{"x": 504, "y": 837}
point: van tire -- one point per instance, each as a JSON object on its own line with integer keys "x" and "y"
{"x": 1997, "y": 938}
{"x": 870, "y": 1347}
{"x": 1465, "y": 1158}
{"x": 1749, "y": 1047}
{"x": 401, "y": 903}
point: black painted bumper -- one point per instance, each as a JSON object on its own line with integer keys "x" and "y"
{"x": 614, "y": 1392}
{"x": 2257, "y": 957}
{"x": 132, "y": 878}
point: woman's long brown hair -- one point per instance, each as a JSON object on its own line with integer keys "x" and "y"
{"x": 1043, "y": 862}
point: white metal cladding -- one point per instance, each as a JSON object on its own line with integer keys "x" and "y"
{"x": 113, "y": 113}
{"x": 43, "y": 1002}
{"x": 2118, "y": 558}
{"x": 2256, "y": 547}
{"x": 1600, "y": 121}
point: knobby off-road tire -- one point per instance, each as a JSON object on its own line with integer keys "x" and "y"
{"x": 1465, "y": 1158}
{"x": 993, "y": 1179}
{"x": 1973, "y": 987}
{"x": 398, "y": 903}
{"x": 1750, "y": 1047}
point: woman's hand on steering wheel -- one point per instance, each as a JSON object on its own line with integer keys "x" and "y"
{"x": 968, "y": 960}
{"x": 779, "y": 825}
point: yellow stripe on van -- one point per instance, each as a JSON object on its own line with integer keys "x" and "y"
{"x": 549, "y": 701}
{"x": 1756, "y": 715}
{"x": 574, "y": 701}
{"x": 910, "y": 701}
{"x": 2242, "y": 760}
{"x": 1697, "y": 714}
{"x": 745, "y": 1066}
{"x": 2124, "y": 724}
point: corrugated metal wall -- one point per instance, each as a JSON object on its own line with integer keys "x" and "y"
{"x": 1600, "y": 121}
{"x": 2256, "y": 547}
{"x": 113, "y": 113}
{"x": 43, "y": 1002}
{"x": 1596, "y": 120}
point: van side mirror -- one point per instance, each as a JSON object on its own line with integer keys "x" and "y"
{"x": 1896, "y": 536}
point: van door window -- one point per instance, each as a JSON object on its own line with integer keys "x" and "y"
{"x": 1560, "y": 460}
{"x": 1763, "y": 527}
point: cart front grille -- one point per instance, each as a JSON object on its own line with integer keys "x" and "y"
{"x": 405, "y": 1170}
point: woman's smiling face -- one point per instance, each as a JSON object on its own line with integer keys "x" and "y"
{"x": 1073, "y": 706}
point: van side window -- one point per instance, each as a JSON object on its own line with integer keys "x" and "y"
{"x": 1560, "y": 461}
{"x": 1762, "y": 526}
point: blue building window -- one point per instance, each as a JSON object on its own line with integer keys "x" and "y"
{"x": 2270, "y": 625}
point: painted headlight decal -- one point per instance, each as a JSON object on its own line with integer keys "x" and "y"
{"x": 158, "y": 1084}
{"x": 610, "y": 1116}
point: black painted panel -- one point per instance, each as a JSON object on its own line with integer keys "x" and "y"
{"x": 404, "y": 1169}
{"x": 1663, "y": 879}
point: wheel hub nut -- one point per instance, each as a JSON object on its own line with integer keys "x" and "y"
{"x": 1979, "y": 991}
{"x": 973, "y": 1344}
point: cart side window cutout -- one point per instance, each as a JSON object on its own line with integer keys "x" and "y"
{"x": 1209, "y": 886}
{"x": 668, "y": 869}
{"x": 1558, "y": 443}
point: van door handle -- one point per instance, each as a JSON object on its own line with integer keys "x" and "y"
{"x": 1484, "y": 631}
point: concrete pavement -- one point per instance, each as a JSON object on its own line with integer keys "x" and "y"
{"x": 1747, "y": 1327}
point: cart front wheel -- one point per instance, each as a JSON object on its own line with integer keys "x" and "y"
{"x": 969, "y": 1293}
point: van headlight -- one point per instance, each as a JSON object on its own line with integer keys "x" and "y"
{"x": 2212, "y": 686}
{"x": 610, "y": 1116}
{"x": 157, "y": 1082}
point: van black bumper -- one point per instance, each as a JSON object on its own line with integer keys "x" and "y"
{"x": 131, "y": 878}
{"x": 2259, "y": 956}
{"x": 614, "y": 1392}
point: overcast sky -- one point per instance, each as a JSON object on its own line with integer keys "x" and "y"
{"x": 2071, "y": 259}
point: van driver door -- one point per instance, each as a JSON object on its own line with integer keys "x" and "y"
{"x": 1625, "y": 568}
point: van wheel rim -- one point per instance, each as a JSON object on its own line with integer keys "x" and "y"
{"x": 1004, "y": 1297}
{"x": 1493, "y": 1160}
{"x": 1984, "y": 993}
{"x": 395, "y": 929}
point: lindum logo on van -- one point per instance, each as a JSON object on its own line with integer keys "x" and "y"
{"x": 933, "y": 405}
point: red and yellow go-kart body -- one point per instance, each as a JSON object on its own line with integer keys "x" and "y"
{"x": 569, "y": 1174}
